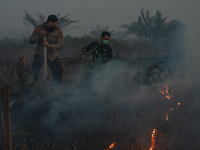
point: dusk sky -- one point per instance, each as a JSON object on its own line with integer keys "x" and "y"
{"x": 112, "y": 13}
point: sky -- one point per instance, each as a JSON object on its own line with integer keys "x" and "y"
{"x": 112, "y": 13}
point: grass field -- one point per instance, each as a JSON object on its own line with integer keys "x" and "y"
{"x": 142, "y": 89}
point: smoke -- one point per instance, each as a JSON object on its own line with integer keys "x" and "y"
{"x": 119, "y": 98}
{"x": 185, "y": 83}
{"x": 193, "y": 55}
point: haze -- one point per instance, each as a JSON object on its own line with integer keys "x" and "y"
{"x": 112, "y": 13}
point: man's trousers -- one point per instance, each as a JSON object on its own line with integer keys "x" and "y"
{"x": 54, "y": 65}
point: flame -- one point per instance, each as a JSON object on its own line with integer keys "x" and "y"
{"x": 166, "y": 92}
{"x": 153, "y": 139}
{"x": 112, "y": 145}
{"x": 167, "y": 119}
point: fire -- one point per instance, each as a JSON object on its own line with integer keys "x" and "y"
{"x": 166, "y": 92}
{"x": 167, "y": 119}
{"x": 112, "y": 145}
{"x": 171, "y": 109}
{"x": 153, "y": 139}
{"x": 179, "y": 103}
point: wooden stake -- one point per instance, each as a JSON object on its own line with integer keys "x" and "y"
{"x": 5, "y": 92}
{"x": 2, "y": 132}
{"x": 5, "y": 113}
{"x": 9, "y": 125}
{"x": 114, "y": 122}
{"x": 21, "y": 69}
{"x": 107, "y": 114}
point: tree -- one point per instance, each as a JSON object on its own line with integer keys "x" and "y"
{"x": 31, "y": 22}
{"x": 156, "y": 26}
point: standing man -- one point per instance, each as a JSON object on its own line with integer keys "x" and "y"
{"x": 102, "y": 52}
{"x": 53, "y": 43}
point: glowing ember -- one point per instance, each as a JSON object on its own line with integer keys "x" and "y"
{"x": 166, "y": 93}
{"x": 171, "y": 109}
{"x": 153, "y": 139}
{"x": 112, "y": 145}
{"x": 179, "y": 103}
{"x": 167, "y": 119}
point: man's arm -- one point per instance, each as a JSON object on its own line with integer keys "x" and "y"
{"x": 36, "y": 36}
{"x": 59, "y": 42}
{"x": 88, "y": 48}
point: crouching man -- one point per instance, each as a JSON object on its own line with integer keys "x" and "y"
{"x": 102, "y": 52}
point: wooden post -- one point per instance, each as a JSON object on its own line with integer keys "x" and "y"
{"x": 21, "y": 68}
{"x": 8, "y": 139}
{"x": 114, "y": 126}
{"x": 2, "y": 132}
{"x": 145, "y": 40}
{"x": 107, "y": 114}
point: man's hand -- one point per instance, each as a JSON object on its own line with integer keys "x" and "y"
{"x": 45, "y": 43}
{"x": 83, "y": 51}
{"x": 43, "y": 32}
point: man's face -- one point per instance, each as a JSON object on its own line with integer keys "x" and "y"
{"x": 105, "y": 40}
{"x": 106, "y": 37}
{"x": 51, "y": 25}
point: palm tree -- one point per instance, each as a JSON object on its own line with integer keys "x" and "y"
{"x": 31, "y": 22}
{"x": 156, "y": 26}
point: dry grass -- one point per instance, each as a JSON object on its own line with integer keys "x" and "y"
{"x": 132, "y": 131}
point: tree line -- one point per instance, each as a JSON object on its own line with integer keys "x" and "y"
{"x": 156, "y": 27}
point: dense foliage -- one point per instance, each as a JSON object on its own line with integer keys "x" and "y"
{"x": 155, "y": 27}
